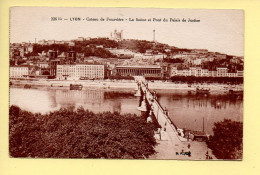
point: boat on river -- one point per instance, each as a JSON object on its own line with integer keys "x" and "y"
{"x": 76, "y": 86}
{"x": 202, "y": 90}
{"x": 27, "y": 86}
{"x": 236, "y": 92}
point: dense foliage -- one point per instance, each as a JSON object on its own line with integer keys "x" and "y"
{"x": 193, "y": 79}
{"x": 177, "y": 60}
{"x": 232, "y": 67}
{"x": 105, "y": 42}
{"x": 69, "y": 133}
{"x": 226, "y": 143}
{"x": 80, "y": 47}
{"x": 142, "y": 46}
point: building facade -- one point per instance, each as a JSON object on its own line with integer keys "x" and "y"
{"x": 19, "y": 71}
{"x": 53, "y": 67}
{"x": 146, "y": 71}
{"x": 222, "y": 72}
{"x": 198, "y": 72}
{"x": 117, "y": 35}
{"x": 79, "y": 71}
{"x": 240, "y": 73}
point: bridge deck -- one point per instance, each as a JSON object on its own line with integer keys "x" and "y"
{"x": 172, "y": 145}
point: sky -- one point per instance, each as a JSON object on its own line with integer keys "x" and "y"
{"x": 218, "y": 30}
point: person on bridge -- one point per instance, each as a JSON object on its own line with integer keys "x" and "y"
{"x": 154, "y": 95}
{"x": 166, "y": 112}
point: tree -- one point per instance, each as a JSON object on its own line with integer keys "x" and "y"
{"x": 79, "y": 133}
{"x": 226, "y": 143}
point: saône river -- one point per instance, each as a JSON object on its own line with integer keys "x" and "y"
{"x": 185, "y": 110}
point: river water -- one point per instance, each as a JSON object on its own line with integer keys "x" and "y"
{"x": 186, "y": 110}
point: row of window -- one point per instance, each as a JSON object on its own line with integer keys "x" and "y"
{"x": 18, "y": 68}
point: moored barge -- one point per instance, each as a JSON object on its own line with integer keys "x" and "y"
{"x": 76, "y": 86}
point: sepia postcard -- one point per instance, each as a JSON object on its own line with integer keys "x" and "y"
{"x": 126, "y": 83}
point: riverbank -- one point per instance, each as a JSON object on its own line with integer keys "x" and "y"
{"x": 127, "y": 84}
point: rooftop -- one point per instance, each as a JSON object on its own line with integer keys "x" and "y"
{"x": 139, "y": 66}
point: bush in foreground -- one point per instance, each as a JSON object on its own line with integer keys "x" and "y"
{"x": 226, "y": 143}
{"x": 68, "y": 133}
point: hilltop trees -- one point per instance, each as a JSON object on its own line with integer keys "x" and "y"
{"x": 105, "y": 42}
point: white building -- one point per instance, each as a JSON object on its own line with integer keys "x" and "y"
{"x": 174, "y": 71}
{"x": 50, "y": 42}
{"x": 77, "y": 71}
{"x": 199, "y": 72}
{"x": 19, "y": 71}
{"x": 43, "y": 65}
{"x": 29, "y": 49}
{"x": 186, "y": 72}
{"x": 197, "y": 62}
{"x": 185, "y": 55}
{"x": 204, "y": 72}
{"x": 240, "y": 73}
{"x": 116, "y": 35}
{"x": 42, "y": 42}
{"x": 80, "y": 39}
{"x": 193, "y": 71}
{"x": 59, "y": 42}
{"x": 231, "y": 74}
{"x": 180, "y": 72}
{"x": 222, "y": 71}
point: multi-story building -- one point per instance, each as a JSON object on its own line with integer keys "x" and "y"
{"x": 197, "y": 62}
{"x": 204, "y": 72}
{"x": 52, "y": 54}
{"x": 222, "y": 71}
{"x": 53, "y": 67}
{"x": 174, "y": 71}
{"x": 212, "y": 73}
{"x": 186, "y": 72}
{"x": 240, "y": 73}
{"x": 19, "y": 71}
{"x": 71, "y": 56}
{"x": 180, "y": 73}
{"x": 231, "y": 74}
{"x": 193, "y": 71}
{"x": 140, "y": 70}
{"x": 198, "y": 72}
{"x": 117, "y": 35}
{"x": 78, "y": 71}
{"x": 29, "y": 49}
{"x": 43, "y": 65}
{"x": 21, "y": 50}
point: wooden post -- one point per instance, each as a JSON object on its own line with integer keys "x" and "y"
{"x": 203, "y": 125}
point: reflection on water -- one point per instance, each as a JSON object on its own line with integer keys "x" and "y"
{"x": 186, "y": 111}
{"x": 45, "y": 100}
